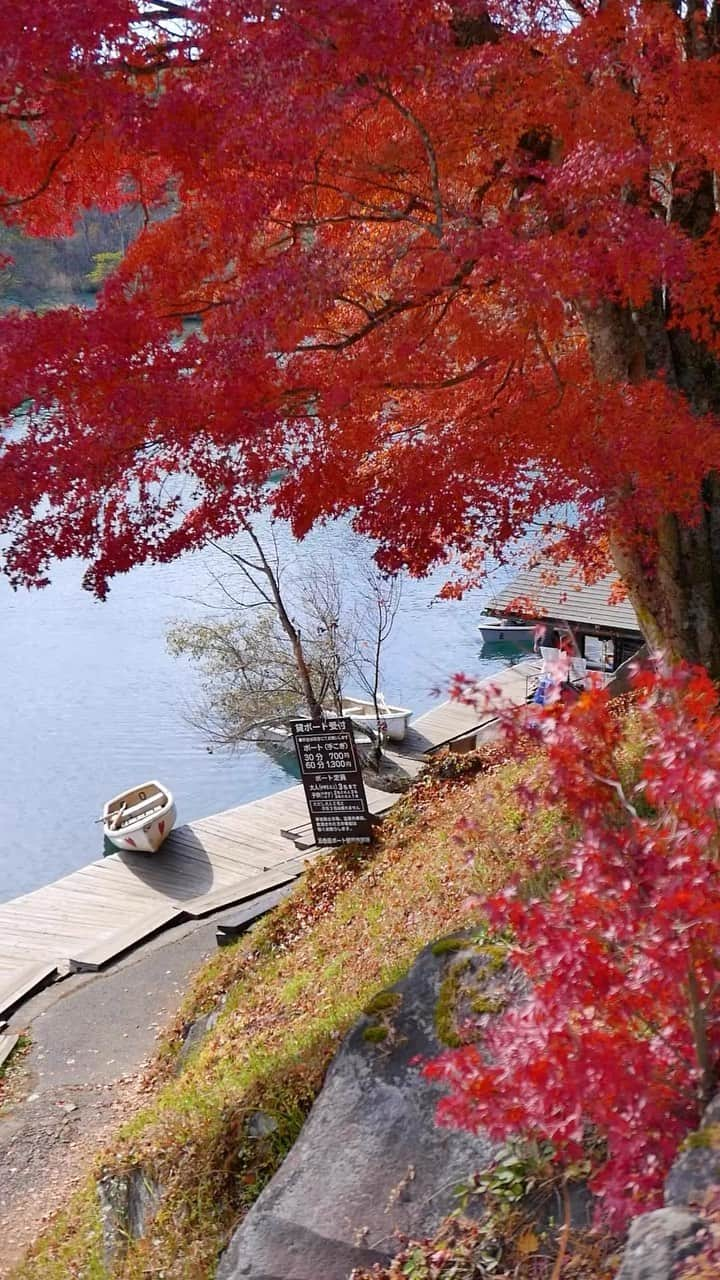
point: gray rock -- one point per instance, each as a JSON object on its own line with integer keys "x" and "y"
{"x": 370, "y": 1161}
{"x": 261, "y": 1125}
{"x": 658, "y": 1242}
{"x": 691, "y": 1176}
{"x": 697, "y": 1168}
{"x": 128, "y": 1203}
{"x": 193, "y": 1037}
{"x": 711, "y": 1115}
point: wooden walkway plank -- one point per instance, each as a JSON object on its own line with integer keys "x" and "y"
{"x": 245, "y": 889}
{"x": 240, "y": 848}
{"x": 249, "y": 827}
{"x": 7, "y": 1044}
{"x": 257, "y": 829}
{"x": 25, "y": 982}
{"x": 223, "y": 863}
{"x": 257, "y": 854}
{"x": 114, "y": 944}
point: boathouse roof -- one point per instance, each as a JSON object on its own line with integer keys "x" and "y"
{"x": 556, "y": 593}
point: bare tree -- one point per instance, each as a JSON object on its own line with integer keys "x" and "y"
{"x": 278, "y": 648}
{"x": 379, "y": 600}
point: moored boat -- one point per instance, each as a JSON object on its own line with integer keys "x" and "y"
{"x": 393, "y": 720}
{"x": 499, "y": 629}
{"x": 139, "y": 820}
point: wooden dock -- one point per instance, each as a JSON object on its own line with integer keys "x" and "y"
{"x": 93, "y": 915}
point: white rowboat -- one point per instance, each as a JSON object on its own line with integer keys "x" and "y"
{"x": 140, "y": 819}
{"x": 393, "y": 720}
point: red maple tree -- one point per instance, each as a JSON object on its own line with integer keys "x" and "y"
{"x": 457, "y": 264}
{"x": 616, "y": 1048}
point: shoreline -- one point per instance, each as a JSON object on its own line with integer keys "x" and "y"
{"x": 94, "y": 915}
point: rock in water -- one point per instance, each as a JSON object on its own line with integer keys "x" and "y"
{"x": 370, "y": 1160}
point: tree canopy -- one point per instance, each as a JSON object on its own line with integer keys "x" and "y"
{"x": 455, "y": 266}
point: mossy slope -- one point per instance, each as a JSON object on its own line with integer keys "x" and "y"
{"x": 291, "y": 989}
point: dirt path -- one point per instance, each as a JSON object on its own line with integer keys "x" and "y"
{"x": 91, "y": 1037}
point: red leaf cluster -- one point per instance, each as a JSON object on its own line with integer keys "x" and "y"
{"x": 404, "y": 226}
{"x": 617, "y": 1045}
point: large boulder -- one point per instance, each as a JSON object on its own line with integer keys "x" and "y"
{"x": 696, "y": 1169}
{"x": 658, "y": 1242}
{"x": 370, "y": 1161}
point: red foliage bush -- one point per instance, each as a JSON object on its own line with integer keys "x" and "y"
{"x": 615, "y": 1050}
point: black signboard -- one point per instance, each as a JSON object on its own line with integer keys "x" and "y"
{"x": 332, "y": 780}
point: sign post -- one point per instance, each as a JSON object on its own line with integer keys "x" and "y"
{"x": 332, "y": 780}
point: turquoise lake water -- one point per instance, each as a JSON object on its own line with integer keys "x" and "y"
{"x": 92, "y": 703}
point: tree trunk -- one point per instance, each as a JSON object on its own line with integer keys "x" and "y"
{"x": 672, "y": 572}
{"x": 291, "y": 631}
{"x": 677, "y": 599}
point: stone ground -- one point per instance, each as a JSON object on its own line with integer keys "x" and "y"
{"x": 91, "y": 1036}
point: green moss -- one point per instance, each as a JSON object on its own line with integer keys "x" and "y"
{"x": 446, "y": 1005}
{"x": 384, "y": 1000}
{"x": 375, "y": 1034}
{"x": 294, "y": 987}
{"x": 446, "y": 945}
{"x": 494, "y": 954}
{"x": 708, "y": 1136}
{"x": 488, "y": 1004}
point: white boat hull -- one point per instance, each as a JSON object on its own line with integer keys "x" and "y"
{"x": 140, "y": 820}
{"x": 393, "y": 720}
{"x": 508, "y": 632}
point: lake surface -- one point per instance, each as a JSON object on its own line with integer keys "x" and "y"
{"x": 91, "y": 703}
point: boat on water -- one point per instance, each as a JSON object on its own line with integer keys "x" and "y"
{"x": 139, "y": 820}
{"x": 495, "y": 630}
{"x": 393, "y": 720}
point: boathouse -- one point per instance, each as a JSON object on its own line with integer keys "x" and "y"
{"x": 606, "y": 632}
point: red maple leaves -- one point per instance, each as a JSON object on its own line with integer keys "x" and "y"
{"x": 404, "y": 228}
{"x": 617, "y": 1046}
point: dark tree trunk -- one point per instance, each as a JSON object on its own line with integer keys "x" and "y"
{"x": 677, "y": 598}
{"x": 672, "y": 572}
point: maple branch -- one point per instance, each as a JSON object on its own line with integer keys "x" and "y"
{"x": 408, "y": 114}
{"x": 439, "y": 319}
{"x": 503, "y": 382}
{"x": 389, "y": 311}
{"x": 164, "y": 63}
{"x": 354, "y": 302}
{"x": 18, "y": 200}
{"x": 698, "y": 1022}
{"x": 555, "y": 371}
{"x": 440, "y": 383}
{"x": 373, "y": 215}
{"x": 170, "y": 9}
{"x": 617, "y": 788}
{"x": 378, "y": 318}
{"x": 564, "y": 1234}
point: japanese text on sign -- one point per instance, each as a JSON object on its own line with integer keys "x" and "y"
{"x": 332, "y": 780}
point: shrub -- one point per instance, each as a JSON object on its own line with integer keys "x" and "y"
{"x": 615, "y": 1050}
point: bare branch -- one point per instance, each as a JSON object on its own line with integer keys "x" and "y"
{"x": 408, "y": 114}
{"x": 13, "y": 201}
{"x": 615, "y": 786}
